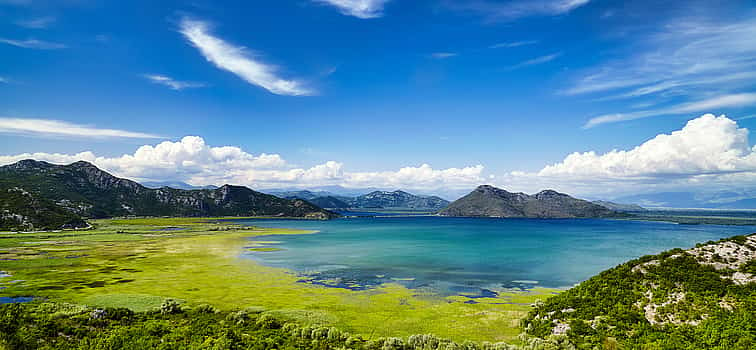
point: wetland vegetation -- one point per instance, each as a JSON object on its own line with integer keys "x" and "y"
{"x": 137, "y": 264}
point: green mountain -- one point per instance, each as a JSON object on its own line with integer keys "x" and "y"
{"x": 700, "y": 298}
{"x": 82, "y": 190}
{"x": 398, "y": 200}
{"x": 489, "y": 201}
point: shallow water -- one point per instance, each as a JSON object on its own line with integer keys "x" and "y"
{"x": 471, "y": 256}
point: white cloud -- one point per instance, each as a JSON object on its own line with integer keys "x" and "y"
{"x": 172, "y": 83}
{"x": 193, "y": 161}
{"x": 33, "y": 44}
{"x": 358, "y": 8}
{"x": 706, "y": 145}
{"x": 708, "y": 154}
{"x": 36, "y": 23}
{"x": 237, "y": 60}
{"x": 513, "y": 44}
{"x": 442, "y": 55}
{"x": 536, "y": 61}
{"x": 47, "y": 127}
{"x": 515, "y": 9}
{"x": 724, "y": 101}
{"x": 688, "y": 57}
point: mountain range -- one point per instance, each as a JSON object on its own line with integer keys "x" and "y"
{"x": 703, "y": 200}
{"x": 397, "y": 200}
{"x": 39, "y": 195}
{"x": 489, "y": 201}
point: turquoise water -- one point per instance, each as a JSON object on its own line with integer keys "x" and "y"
{"x": 471, "y": 255}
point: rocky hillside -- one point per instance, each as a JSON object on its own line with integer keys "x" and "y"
{"x": 398, "y": 200}
{"x": 489, "y": 201}
{"x": 700, "y": 298}
{"x": 82, "y": 190}
{"x": 22, "y": 210}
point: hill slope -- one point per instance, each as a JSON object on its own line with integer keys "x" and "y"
{"x": 398, "y": 200}
{"x": 700, "y": 298}
{"x": 489, "y": 201}
{"x": 84, "y": 190}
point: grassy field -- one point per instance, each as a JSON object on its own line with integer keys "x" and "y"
{"x": 138, "y": 263}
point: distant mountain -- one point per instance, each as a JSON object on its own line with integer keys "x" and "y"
{"x": 489, "y": 201}
{"x": 398, "y": 200}
{"x": 619, "y": 206}
{"x": 704, "y": 200}
{"x": 306, "y": 195}
{"x": 176, "y": 184}
{"x": 329, "y": 202}
{"x": 82, "y": 190}
{"x": 336, "y": 191}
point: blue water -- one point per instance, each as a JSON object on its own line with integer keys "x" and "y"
{"x": 470, "y": 255}
{"x": 12, "y": 300}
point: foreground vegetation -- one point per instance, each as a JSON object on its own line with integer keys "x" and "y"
{"x": 139, "y": 263}
{"x": 166, "y": 283}
{"x": 702, "y": 298}
{"x": 65, "y": 326}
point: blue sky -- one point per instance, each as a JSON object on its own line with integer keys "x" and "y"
{"x": 479, "y": 90}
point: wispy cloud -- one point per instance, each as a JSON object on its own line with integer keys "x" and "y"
{"x": 723, "y": 101}
{"x": 237, "y": 60}
{"x": 172, "y": 83}
{"x": 513, "y": 44}
{"x": 515, "y": 9}
{"x": 683, "y": 59}
{"x": 57, "y": 128}
{"x": 36, "y": 23}
{"x": 442, "y": 55}
{"x": 358, "y": 8}
{"x": 33, "y": 44}
{"x": 3, "y": 80}
{"x": 536, "y": 61}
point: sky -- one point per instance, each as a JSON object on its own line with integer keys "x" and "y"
{"x": 596, "y": 98}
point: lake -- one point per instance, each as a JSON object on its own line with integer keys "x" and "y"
{"x": 470, "y": 256}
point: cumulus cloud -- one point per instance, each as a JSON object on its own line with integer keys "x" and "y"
{"x": 47, "y": 127}
{"x": 193, "y": 161}
{"x": 706, "y": 145}
{"x": 172, "y": 83}
{"x": 237, "y": 60}
{"x": 358, "y": 8}
{"x": 33, "y": 44}
{"x": 707, "y": 155}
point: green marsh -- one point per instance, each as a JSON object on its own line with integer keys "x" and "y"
{"x": 138, "y": 263}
